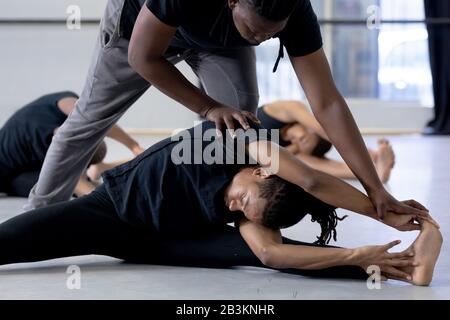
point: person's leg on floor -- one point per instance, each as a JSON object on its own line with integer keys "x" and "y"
{"x": 87, "y": 225}
{"x": 224, "y": 248}
{"x": 20, "y": 185}
{"x": 90, "y": 225}
{"x": 5, "y": 177}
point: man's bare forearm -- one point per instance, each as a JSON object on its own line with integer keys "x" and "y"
{"x": 149, "y": 42}
{"x": 332, "y": 167}
{"x": 336, "y": 118}
{"x": 321, "y": 185}
{"x": 341, "y": 195}
{"x": 333, "y": 114}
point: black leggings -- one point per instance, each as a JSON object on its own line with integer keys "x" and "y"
{"x": 20, "y": 185}
{"x": 90, "y": 225}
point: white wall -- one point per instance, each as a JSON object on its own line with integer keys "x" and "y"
{"x": 39, "y": 59}
{"x": 49, "y": 8}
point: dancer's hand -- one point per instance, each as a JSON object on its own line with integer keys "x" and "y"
{"x": 384, "y": 202}
{"x": 223, "y": 115}
{"x": 389, "y": 263}
{"x": 137, "y": 150}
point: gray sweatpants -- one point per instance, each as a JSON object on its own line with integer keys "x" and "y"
{"x": 112, "y": 86}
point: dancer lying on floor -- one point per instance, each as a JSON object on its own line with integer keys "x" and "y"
{"x": 26, "y": 137}
{"x": 303, "y": 136}
{"x": 172, "y": 205}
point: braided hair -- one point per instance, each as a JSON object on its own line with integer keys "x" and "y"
{"x": 328, "y": 221}
{"x": 287, "y": 204}
{"x": 273, "y": 10}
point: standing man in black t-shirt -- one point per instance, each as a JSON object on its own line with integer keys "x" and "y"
{"x": 138, "y": 46}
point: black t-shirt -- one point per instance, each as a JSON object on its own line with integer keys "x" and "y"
{"x": 271, "y": 123}
{"x": 208, "y": 24}
{"x": 157, "y": 192}
{"x": 27, "y": 135}
{"x": 129, "y": 15}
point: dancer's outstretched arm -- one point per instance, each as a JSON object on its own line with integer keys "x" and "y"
{"x": 268, "y": 247}
{"x": 333, "y": 167}
{"x": 324, "y": 186}
{"x": 296, "y": 111}
{"x": 414, "y": 265}
{"x": 95, "y": 171}
{"x": 118, "y": 134}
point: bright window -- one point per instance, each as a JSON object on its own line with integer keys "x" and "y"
{"x": 387, "y": 63}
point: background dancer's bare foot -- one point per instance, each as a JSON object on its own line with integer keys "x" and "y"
{"x": 385, "y": 160}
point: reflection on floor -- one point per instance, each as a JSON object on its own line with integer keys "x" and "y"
{"x": 422, "y": 173}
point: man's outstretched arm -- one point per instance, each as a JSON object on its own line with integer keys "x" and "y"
{"x": 332, "y": 112}
{"x": 325, "y": 187}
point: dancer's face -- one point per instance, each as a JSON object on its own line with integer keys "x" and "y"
{"x": 251, "y": 26}
{"x": 243, "y": 194}
{"x": 304, "y": 138}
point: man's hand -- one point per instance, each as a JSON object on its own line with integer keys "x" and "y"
{"x": 405, "y": 222}
{"x": 385, "y": 202}
{"x": 222, "y": 114}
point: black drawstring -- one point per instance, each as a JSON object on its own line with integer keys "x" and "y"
{"x": 224, "y": 34}
{"x": 280, "y": 56}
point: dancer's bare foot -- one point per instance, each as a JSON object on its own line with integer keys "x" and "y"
{"x": 385, "y": 160}
{"x": 373, "y": 155}
{"x": 426, "y": 250}
{"x": 94, "y": 172}
{"x": 84, "y": 186}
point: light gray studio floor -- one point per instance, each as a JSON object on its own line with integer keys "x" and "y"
{"x": 422, "y": 173}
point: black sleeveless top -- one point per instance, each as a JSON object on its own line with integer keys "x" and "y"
{"x": 271, "y": 123}
{"x": 188, "y": 197}
{"x": 27, "y": 135}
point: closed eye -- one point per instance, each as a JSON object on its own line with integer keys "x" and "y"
{"x": 265, "y": 36}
